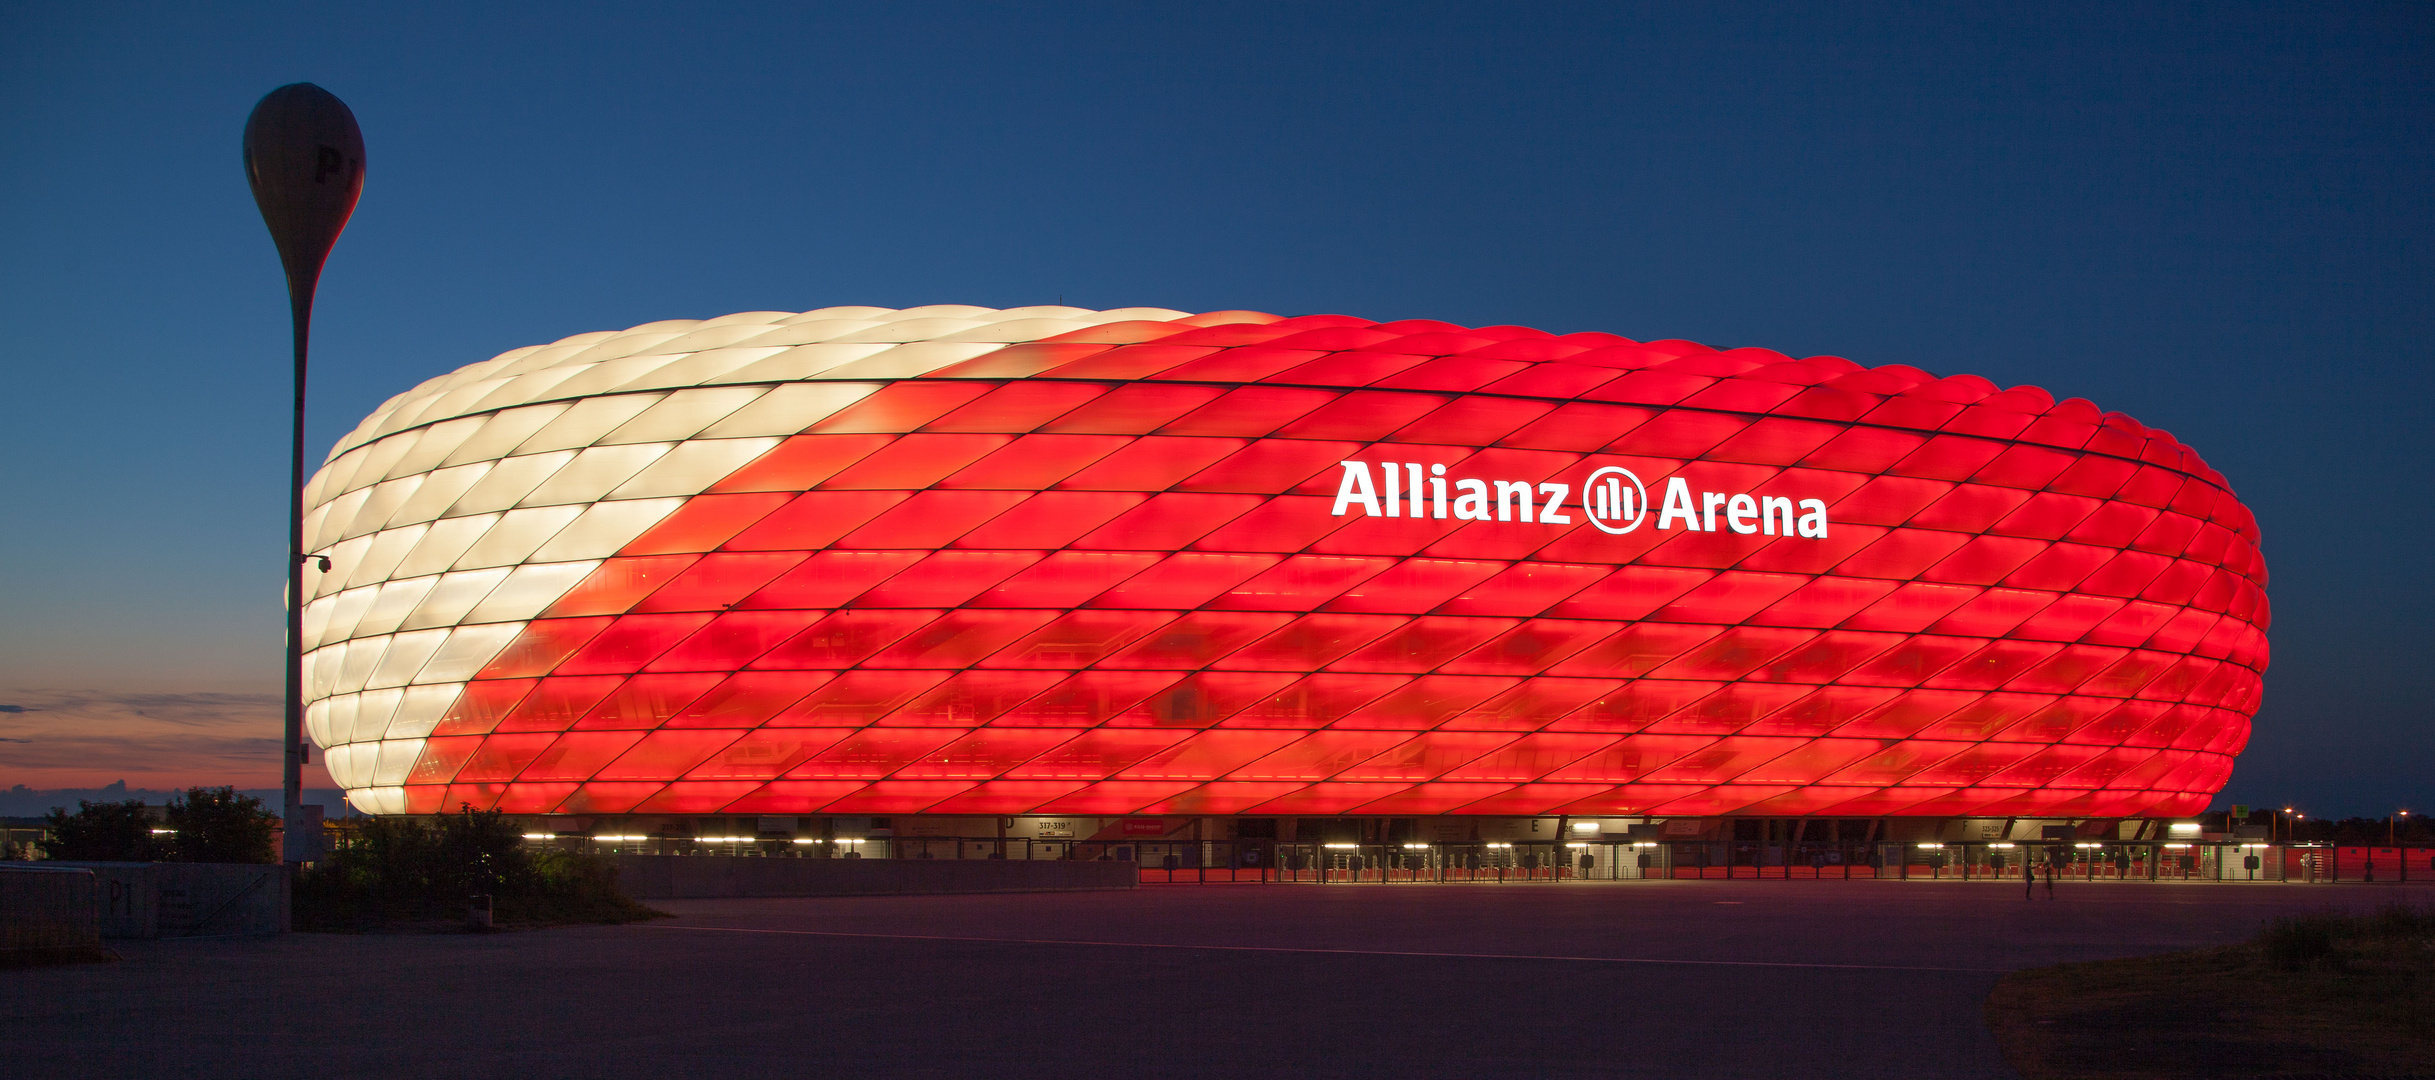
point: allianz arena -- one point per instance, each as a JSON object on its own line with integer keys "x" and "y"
{"x": 1138, "y": 563}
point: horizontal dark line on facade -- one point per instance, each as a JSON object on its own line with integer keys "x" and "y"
{"x": 420, "y": 425}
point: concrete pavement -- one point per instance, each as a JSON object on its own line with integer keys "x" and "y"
{"x": 1658, "y": 979}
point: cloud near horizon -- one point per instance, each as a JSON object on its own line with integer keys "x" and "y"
{"x": 89, "y": 738}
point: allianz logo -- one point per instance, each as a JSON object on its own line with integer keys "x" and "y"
{"x": 1613, "y": 498}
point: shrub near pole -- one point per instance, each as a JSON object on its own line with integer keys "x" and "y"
{"x": 402, "y": 871}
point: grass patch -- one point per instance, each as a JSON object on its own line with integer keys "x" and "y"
{"x": 2310, "y": 995}
{"x": 55, "y": 956}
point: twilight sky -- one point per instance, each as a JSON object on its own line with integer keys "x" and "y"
{"x": 2216, "y": 220}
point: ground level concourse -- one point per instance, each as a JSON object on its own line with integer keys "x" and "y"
{"x": 1342, "y": 850}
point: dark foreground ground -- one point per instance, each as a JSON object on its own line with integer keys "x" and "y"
{"x": 1662, "y": 979}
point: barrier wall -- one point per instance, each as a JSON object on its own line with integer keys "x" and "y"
{"x": 47, "y": 912}
{"x": 684, "y": 877}
{"x": 157, "y": 900}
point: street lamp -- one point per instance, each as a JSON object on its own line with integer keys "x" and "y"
{"x": 2393, "y": 841}
{"x": 304, "y": 159}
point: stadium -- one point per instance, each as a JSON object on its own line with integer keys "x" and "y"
{"x": 857, "y": 575}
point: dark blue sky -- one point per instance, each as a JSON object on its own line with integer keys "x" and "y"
{"x": 2216, "y": 220}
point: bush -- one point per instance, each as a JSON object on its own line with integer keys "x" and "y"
{"x": 2296, "y": 941}
{"x": 2399, "y": 920}
{"x": 203, "y": 825}
{"x": 100, "y": 832}
{"x": 2292, "y": 942}
{"x": 395, "y": 869}
{"x": 217, "y": 825}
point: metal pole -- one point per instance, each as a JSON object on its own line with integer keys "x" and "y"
{"x": 304, "y": 159}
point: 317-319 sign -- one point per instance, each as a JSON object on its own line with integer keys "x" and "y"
{"x": 1612, "y": 498}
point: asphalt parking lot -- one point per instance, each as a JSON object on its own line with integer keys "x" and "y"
{"x": 1658, "y": 979}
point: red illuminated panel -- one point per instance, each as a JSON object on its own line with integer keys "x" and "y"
{"x": 1236, "y": 563}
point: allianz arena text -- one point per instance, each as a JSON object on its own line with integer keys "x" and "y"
{"x": 959, "y": 561}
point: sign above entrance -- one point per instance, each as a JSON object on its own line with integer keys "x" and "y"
{"x": 1612, "y": 498}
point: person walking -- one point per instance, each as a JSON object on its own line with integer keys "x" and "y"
{"x": 2052, "y": 859}
{"x": 2029, "y": 875}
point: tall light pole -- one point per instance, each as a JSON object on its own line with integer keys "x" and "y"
{"x": 304, "y": 158}
{"x": 2393, "y": 840}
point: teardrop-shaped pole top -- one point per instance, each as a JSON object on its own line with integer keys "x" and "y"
{"x": 304, "y": 158}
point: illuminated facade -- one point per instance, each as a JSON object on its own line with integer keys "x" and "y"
{"x": 952, "y": 560}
